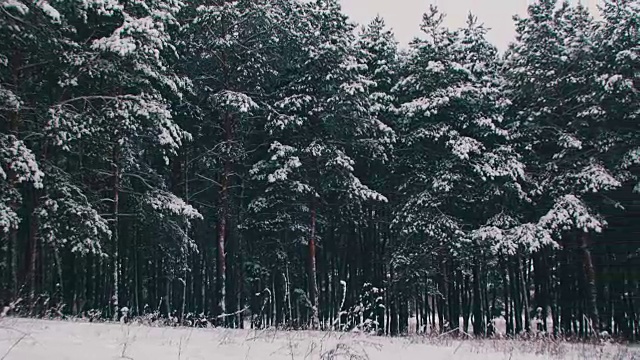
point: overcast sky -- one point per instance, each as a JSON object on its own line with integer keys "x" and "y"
{"x": 404, "y": 16}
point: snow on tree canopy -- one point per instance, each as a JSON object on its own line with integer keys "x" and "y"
{"x": 101, "y": 7}
{"x": 167, "y": 204}
{"x": 569, "y": 141}
{"x": 571, "y": 213}
{"x": 505, "y": 235}
{"x": 67, "y": 220}
{"x": 126, "y": 113}
{"x": 341, "y": 160}
{"x": 8, "y": 100}
{"x": 16, "y": 158}
{"x": 9, "y": 219}
{"x": 236, "y": 101}
{"x": 49, "y": 10}
{"x": 631, "y": 158}
{"x": 135, "y": 36}
{"x": 595, "y": 178}
{"x": 463, "y": 146}
{"x": 528, "y": 238}
{"x": 295, "y": 102}
{"x": 282, "y": 173}
{"x": 17, "y": 6}
{"x": 363, "y": 191}
{"x": 453, "y": 140}
{"x": 501, "y": 162}
{"x": 283, "y": 155}
{"x": 487, "y": 233}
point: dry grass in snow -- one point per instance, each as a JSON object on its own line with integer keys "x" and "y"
{"x": 26, "y": 339}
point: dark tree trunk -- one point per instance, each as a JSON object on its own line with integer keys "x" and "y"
{"x": 312, "y": 275}
{"x": 590, "y": 282}
{"x": 565, "y": 290}
{"x": 516, "y": 296}
{"x": 508, "y": 312}
{"x": 525, "y": 293}
{"x": 478, "y": 323}
{"x": 115, "y": 230}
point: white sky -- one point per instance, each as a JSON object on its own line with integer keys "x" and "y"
{"x": 404, "y": 16}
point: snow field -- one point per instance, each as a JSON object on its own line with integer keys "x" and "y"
{"x": 26, "y": 339}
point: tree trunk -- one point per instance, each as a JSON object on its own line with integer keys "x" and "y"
{"x": 445, "y": 298}
{"x": 541, "y": 282}
{"x": 454, "y": 297}
{"x": 478, "y": 323}
{"x": 525, "y": 293}
{"x": 507, "y": 301}
{"x": 590, "y": 282}
{"x": 13, "y": 241}
{"x": 116, "y": 202}
{"x": 221, "y": 260}
{"x": 313, "y": 285}
{"x": 222, "y": 222}
{"x": 565, "y": 312}
{"x": 516, "y": 296}
{"x": 403, "y": 315}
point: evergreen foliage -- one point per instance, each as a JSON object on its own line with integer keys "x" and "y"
{"x": 271, "y": 160}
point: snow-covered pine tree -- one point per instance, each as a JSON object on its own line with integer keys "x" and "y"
{"x": 31, "y": 43}
{"x": 234, "y": 54}
{"x": 552, "y": 72}
{"x": 377, "y": 49}
{"x": 454, "y": 154}
{"x": 110, "y": 117}
{"x": 617, "y": 84}
{"x": 319, "y": 125}
{"x": 618, "y": 96}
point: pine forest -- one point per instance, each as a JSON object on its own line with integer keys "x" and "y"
{"x": 270, "y": 163}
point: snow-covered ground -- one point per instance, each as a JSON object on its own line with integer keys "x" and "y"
{"x": 26, "y": 339}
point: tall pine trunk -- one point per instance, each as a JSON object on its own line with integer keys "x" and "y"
{"x": 590, "y": 282}
{"x": 524, "y": 287}
{"x": 33, "y": 246}
{"x": 116, "y": 204}
{"x": 223, "y": 217}
{"x": 478, "y": 323}
{"x": 313, "y": 285}
{"x": 222, "y": 231}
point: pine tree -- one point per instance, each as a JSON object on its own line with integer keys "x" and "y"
{"x": 552, "y": 68}
{"x": 104, "y": 85}
{"x": 320, "y": 123}
{"x": 456, "y": 157}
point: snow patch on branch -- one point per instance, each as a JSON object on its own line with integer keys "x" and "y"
{"x": 364, "y": 192}
{"x": 463, "y": 146}
{"x": 9, "y": 219}
{"x": 595, "y": 178}
{"x": 239, "y": 102}
{"x": 527, "y": 238}
{"x": 171, "y": 205}
{"x": 571, "y": 213}
{"x": 136, "y": 36}
{"x": 8, "y": 100}
{"x": 569, "y": 141}
{"x": 49, "y": 10}
{"x": 19, "y": 7}
{"x": 631, "y": 158}
{"x": 282, "y": 173}
{"x": 16, "y": 158}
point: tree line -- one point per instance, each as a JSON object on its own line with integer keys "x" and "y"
{"x": 271, "y": 162}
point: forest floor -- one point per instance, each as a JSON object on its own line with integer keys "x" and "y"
{"x": 26, "y": 339}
